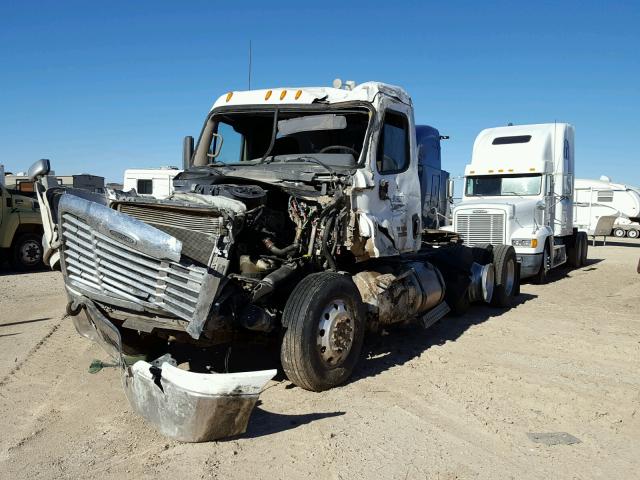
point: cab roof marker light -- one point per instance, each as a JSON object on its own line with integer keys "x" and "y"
{"x": 532, "y": 169}
{"x": 501, "y": 170}
{"x": 283, "y": 94}
{"x": 229, "y": 95}
{"x": 268, "y": 95}
{"x": 298, "y": 93}
{"x": 490, "y": 171}
{"x": 472, "y": 171}
{"x": 510, "y": 170}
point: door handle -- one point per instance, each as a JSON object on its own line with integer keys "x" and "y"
{"x": 383, "y": 189}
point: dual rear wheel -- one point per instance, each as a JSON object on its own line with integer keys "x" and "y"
{"x": 577, "y": 253}
{"x": 504, "y": 261}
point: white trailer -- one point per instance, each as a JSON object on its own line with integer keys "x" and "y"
{"x": 594, "y": 199}
{"x": 519, "y": 191}
{"x": 153, "y": 182}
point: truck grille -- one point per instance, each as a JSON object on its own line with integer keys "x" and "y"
{"x": 105, "y": 266}
{"x": 477, "y": 228}
{"x": 199, "y": 232}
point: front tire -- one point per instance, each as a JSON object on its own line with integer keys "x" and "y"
{"x": 325, "y": 322}
{"x": 540, "y": 278}
{"x": 619, "y": 232}
{"x": 504, "y": 261}
{"x": 27, "y": 252}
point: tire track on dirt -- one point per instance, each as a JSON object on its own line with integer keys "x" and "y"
{"x": 31, "y": 352}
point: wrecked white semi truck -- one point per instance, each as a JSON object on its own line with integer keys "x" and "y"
{"x": 299, "y": 217}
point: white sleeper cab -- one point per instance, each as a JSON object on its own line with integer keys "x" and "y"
{"x": 518, "y": 190}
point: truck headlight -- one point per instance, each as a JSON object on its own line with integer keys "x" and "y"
{"x": 525, "y": 242}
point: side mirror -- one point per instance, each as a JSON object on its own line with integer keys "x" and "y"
{"x": 39, "y": 169}
{"x": 450, "y": 188}
{"x": 187, "y": 151}
{"x": 540, "y": 205}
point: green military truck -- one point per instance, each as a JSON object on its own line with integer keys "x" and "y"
{"x": 20, "y": 227}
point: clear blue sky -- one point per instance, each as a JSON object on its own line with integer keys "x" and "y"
{"x": 101, "y": 86}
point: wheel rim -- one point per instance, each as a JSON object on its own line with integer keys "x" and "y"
{"x": 546, "y": 263}
{"x": 510, "y": 280}
{"x": 633, "y": 234}
{"x": 336, "y": 330}
{"x": 619, "y": 232}
{"x": 29, "y": 252}
{"x": 488, "y": 282}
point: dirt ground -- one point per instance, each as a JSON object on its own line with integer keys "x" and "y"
{"x": 456, "y": 401}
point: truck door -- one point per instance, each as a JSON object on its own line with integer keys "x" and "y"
{"x": 550, "y": 201}
{"x": 394, "y": 202}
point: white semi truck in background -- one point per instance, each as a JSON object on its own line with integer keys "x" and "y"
{"x": 518, "y": 190}
{"x": 594, "y": 199}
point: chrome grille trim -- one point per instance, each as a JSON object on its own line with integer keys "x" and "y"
{"x": 104, "y": 268}
{"x": 99, "y": 263}
{"x": 478, "y": 228}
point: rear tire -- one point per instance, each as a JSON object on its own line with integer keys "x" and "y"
{"x": 504, "y": 262}
{"x": 27, "y": 252}
{"x": 574, "y": 252}
{"x": 584, "y": 241}
{"x": 325, "y": 322}
{"x": 632, "y": 233}
{"x": 540, "y": 278}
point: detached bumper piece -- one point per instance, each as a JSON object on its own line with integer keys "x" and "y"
{"x": 183, "y": 405}
{"x": 194, "y": 407}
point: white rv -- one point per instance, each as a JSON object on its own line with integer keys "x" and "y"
{"x": 597, "y": 198}
{"x": 518, "y": 191}
{"x": 155, "y": 182}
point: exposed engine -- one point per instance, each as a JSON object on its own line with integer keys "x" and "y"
{"x": 254, "y": 238}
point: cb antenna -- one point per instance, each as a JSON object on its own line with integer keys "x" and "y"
{"x": 249, "y": 64}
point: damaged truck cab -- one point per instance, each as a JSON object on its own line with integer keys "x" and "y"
{"x": 300, "y": 216}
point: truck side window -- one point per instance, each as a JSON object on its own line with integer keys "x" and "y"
{"x": 605, "y": 196}
{"x": 144, "y": 187}
{"x": 393, "y": 146}
{"x": 230, "y": 142}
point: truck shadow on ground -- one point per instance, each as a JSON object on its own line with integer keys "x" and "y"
{"x": 266, "y": 423}
{"x": 395, "y": 347}
{"x": 402, "y": 344}
{"x": 563, "y": 272}
{"x": 6, "y": 269}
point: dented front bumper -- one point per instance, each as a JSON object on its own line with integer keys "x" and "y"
{"x": 183, "y": 405}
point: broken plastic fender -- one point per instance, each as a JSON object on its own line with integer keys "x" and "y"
{"x": 194, "y": 407}
{"x": 186, "y": 406}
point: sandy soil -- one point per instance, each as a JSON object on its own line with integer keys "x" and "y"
{"x": 452, "y": 402}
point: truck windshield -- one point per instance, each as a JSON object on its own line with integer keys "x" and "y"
{"x": 237, "y": 138}
{"x": 508, "y": 185}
